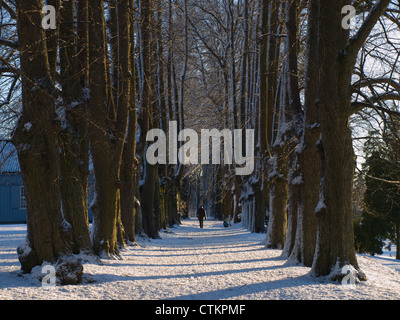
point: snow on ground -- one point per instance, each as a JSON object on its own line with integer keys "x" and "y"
{"x": 197, "y": 264}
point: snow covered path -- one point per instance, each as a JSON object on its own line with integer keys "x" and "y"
{"x": 200, "y": 264}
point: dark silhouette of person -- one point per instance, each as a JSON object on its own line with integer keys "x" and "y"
{"x": 201, "y": 215}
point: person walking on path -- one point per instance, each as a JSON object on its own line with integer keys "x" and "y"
{"x": 201, "y": 215}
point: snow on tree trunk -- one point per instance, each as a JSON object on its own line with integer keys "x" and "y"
{"x": 288, "y": 130}
{"x": 73, "y": 138}
{"x": 108, "y": 125}
{"x": 49, "y": 236}
{"x": 335, "y": 232}
{"x": 307, "y": 156}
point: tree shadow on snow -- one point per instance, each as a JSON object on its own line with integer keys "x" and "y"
{"x": 254, "y": 288}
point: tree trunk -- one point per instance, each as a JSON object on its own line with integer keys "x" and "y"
{"x": 277, "y": 184}
{"x": 397, "y": 230}
{"x": 147, "y": 197}
{"x": 130, "y": 164}
{"x": 309, "y": 161}
{"x": 108, "y": 125}
{"x": 172, "y": 202}
{"x": 335, "y": 245}
{"x": 273, "y": 67}
{"x": 335, "y": 234}
{"x": 74, "y": 141}
{"x": 163, "y": 111}
{"x": 292, "y": 208}
{"x": 129, "y": 203}
{"x": 307, "y": 155}
{"x": 283, "y": 160}
{"x": 278, "y": 189}
{"x": 259, "y": 208}
{"x": 148, "y": 122}
{"x": 35, "y": 137}
{"x": 175, "y": 106}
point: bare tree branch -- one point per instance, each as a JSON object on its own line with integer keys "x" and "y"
{"x": 9, "y": 43}
{"x": 361, "y": 36}
{"x": 4, "y": 4}
{"x": 371, "y": 81}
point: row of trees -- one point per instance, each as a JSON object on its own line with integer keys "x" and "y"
{"x": 113, "y": 70}
{"x": 86, "y": 87}
{"x": 282, "y": 69}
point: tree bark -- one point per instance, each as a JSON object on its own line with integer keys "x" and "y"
{"x": 163, "y": 112}
{"x": 130, "y": 164}
{"x": 36, "y": 139}
{"x": 307, "y": 155}
{"x": 288, "y": 131}
{"x": 278, "y": 189}
{"x": 108, "y": 125}
{"x": 175, "y": 109}
{"x": 338, "y": 54}
{"x": 148, "y": 122}
{"x": 292, "y": 207}
{"x": 335, "y": 240}
{"x": 74, "y": 139}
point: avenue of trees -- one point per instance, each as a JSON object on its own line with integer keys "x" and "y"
{"x": 78, "y": 100}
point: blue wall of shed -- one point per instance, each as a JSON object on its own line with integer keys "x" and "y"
{"x": 10, "y": 211}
